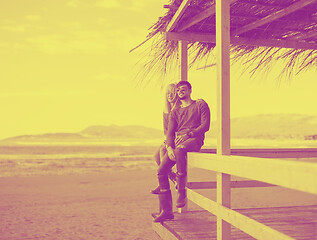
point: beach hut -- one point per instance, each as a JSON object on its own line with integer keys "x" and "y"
{"x": 254, "y": 32}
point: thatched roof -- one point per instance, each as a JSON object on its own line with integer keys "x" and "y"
{"x": 261, "y": 31}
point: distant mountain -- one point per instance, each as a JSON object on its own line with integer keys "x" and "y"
{"x": 271, "y": 126}
{"x": 46, "y": 136}
{"x": 94, "y": 133}
{"x": 114, "y": 131}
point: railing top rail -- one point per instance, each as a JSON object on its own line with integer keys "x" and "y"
{"x": 296, "y": 175}
{"x": 270, "y": 152}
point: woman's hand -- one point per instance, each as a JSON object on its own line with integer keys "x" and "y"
{"x": 170, "y": 153}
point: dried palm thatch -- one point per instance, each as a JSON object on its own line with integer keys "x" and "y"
{"x": 161, "y": 55}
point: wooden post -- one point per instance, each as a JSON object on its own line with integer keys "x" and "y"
{"x": 223, "y": 108}
{"x": 223, "y": 198}
{"x": 183, "y": 53}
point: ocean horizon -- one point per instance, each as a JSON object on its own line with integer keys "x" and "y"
{"x": 26, "y": 159}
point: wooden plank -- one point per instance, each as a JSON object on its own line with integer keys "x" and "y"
{"x": 210, "y": 38}
{"x": 191, "y": 37}
{"x": 199, "y": 17}
{"x": 233, "y": 184}
{"x": 223, "y": 109}
{"x": 271, "y": 152}
{"x": 179, "y": 13}
{"x": 310, "y": 34}
{"x": 223, "y": 76}
{"x": 296, "y": 175}
{"x": 164, "y": 232}
{"x": 276, "y": 15}
{"x": 274, "y": 43}
{"x": 262, "y": 4}
{"x": 223, "y": 199}
{"x": 277, "y": 153}
{"x": 240, "y": 221}
{"x": 299, "y": 222}
{"x": 183, "y": 52}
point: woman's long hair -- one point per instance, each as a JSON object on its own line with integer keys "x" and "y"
{"x": 171, "y": 98}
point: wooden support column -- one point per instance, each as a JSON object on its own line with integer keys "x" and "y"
{"x": 183, "y": 53}
{"x": 223, "y": 108}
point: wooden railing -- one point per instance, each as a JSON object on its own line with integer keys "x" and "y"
{"x": 265, "y": 168}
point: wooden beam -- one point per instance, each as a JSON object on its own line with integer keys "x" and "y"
{"x": 297, "y": 175}
{"x": 223, "y": 109}
{"x": 276, "y": 15}
{"x": 223, "y": 81}
{"x": 223, "y": 75}
{"x": 177, "y": 16}
{"x": 270, "y": 152}
{"x": 210, "y": 38}
{"x": 233, "y": 184}
{"x": 224, "y": 199}
{"x": 253, "y": 3}
{"x": 310, "y": 34}
{"x": 277, "y": 153}
{"x": 164, "y": 232}
{"x": 240, "y": 221}
{"x": 183, "y": 53}
{"x": 199, "y": 17}
{"x": 191, "y": 37}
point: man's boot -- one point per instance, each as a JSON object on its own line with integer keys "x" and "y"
{"x": 181, "y": 184}
{"x": 166, "y": 206}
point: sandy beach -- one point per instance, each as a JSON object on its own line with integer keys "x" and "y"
{"x": 109, "y": 205}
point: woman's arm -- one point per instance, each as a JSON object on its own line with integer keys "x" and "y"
{"x": 166, "y": 106}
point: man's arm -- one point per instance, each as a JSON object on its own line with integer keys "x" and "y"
{"x": 205, "y": 120}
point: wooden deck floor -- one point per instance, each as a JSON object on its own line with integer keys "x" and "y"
{"x": 299, "y": 222}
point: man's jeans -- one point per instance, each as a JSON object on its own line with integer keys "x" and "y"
{"x": 190, "y": 145}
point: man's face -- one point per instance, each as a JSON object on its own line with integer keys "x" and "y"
{"x": 183, "y": 92}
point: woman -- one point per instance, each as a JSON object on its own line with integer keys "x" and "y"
{"x": 171, "y": 102}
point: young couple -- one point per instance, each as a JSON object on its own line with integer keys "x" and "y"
{"x": 185, "y": 123}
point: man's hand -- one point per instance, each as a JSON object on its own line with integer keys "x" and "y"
{"x": 180, "y": 139}
{"x": 170, "y": 153}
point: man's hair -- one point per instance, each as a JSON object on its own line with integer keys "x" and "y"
{"x": 181, "y": 83}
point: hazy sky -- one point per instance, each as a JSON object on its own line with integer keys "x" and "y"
{"x": 65, "y": 65}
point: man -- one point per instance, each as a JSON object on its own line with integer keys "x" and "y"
{"x": 186, "y": 133}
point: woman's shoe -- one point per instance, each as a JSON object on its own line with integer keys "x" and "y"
{"x": 156, "y": 190}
